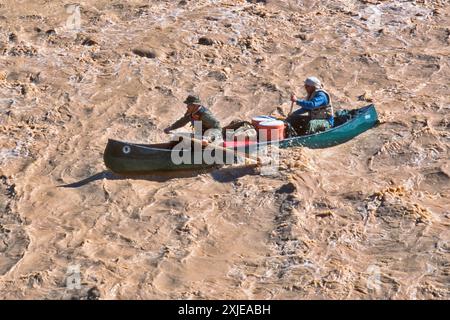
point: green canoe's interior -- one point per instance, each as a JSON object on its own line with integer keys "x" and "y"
{"x": 349, "y": 115}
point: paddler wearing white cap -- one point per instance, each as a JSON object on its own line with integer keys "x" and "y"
{"x": 316, "y": 112}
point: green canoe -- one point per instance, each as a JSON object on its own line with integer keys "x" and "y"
{"x": 128, "y": 158}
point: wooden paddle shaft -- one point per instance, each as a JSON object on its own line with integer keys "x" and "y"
{"x": 200, "y": 142}
{"x": 292, "y": 108}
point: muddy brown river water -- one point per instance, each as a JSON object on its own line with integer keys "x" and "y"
{"x": 368, "y": 219}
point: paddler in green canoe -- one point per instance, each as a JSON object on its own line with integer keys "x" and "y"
{"x": 316, "y": 112}
{"x": 201, "y": 119}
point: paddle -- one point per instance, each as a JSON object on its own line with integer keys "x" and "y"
{"x": 292, "y": 108}
{"x": 251, "y": 159}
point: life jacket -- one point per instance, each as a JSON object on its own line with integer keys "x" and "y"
{"x": 197, "y": 115}
{"x": 323, "y": 112}
{"x": 207, "y": 118}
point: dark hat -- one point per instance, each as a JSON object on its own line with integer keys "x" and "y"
{"x": 192, "y": 99}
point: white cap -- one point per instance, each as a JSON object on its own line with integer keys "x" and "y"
{"x": 313, "y": 81}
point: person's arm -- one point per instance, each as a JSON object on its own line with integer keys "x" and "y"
{"x": 179, "y": 123}
{"x": 318, "y": 101}
{"x": 298, "y": 111}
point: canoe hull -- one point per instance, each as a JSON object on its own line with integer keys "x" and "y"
{"x": 142, "y": 159}
{"x": 127, "y": 158}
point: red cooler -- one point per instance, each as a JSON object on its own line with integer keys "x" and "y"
{"x": 257, "y": 120}
{"x": 271, "y": 130}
